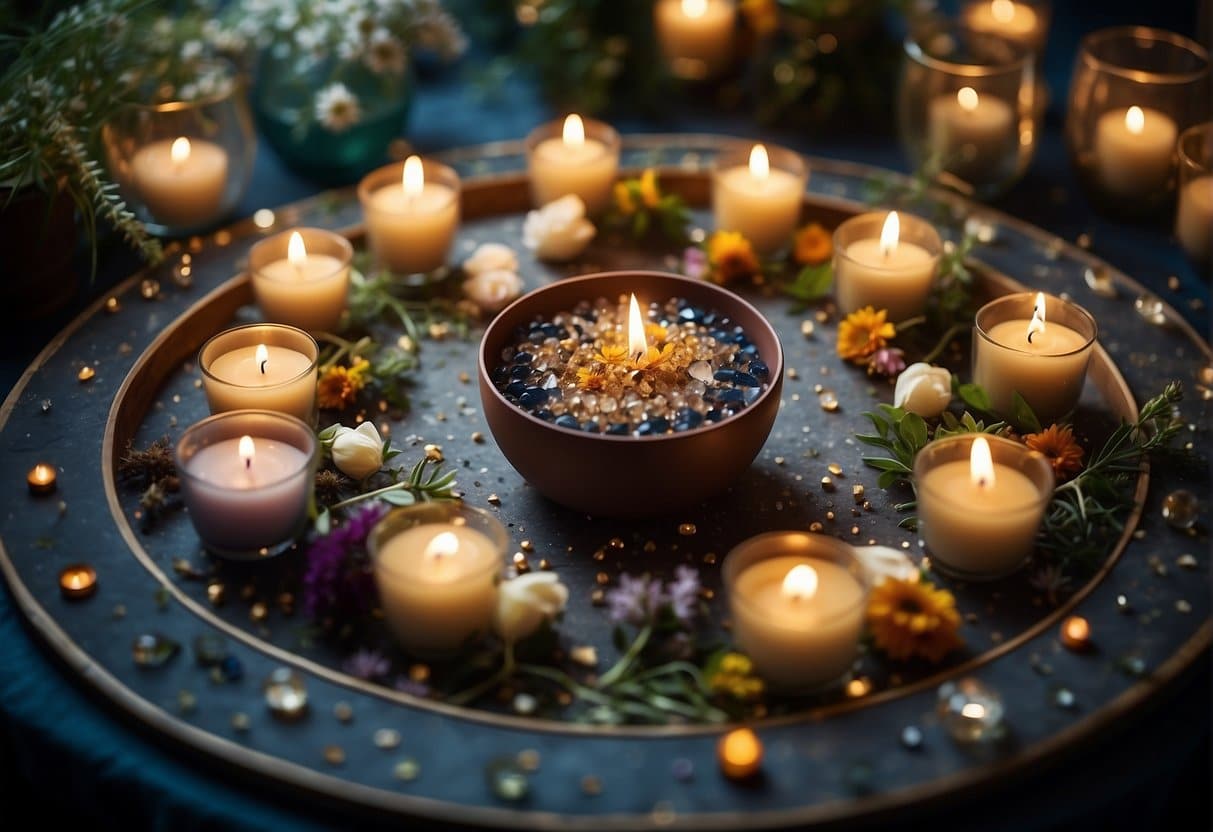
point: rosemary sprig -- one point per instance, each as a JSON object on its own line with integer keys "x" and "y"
{"x": 425, "y": 481}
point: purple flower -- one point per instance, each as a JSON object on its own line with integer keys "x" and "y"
{"x": 367, "y": 664}
{"x": 337, "y": 578}
{"x": 888, "y": 362}
{"x": 694, "y": 262}
{"x": 635, "y": 600}
{"x": 412, "y": 687}
{"x": 684, "y": 593}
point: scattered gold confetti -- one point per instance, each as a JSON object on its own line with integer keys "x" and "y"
{"x": 602, "y": 578}
{"x": 835, "y": 469}
{"x": 545, "y": 564}
{"x": 815, "y": 526}
{"x": 334, "y": 755}
{"x": 433, "y": 453}
{"x": 709, "y": 558}
{"x": 478, "y": 437}
{"x": 528, "y": 760}
{"x": 216, "y": 593}
{"x": 827, "y": 484}
{"x": 494, "y": 500}
{"x": 86, "y": 373}
{"x": 419, "y": 673}
{"x": 464, "y": 377}
{"x": 526, "y": 546}
{"x": 591, "y": 785}
{"x": 343, "y": 711}
{"x": 806, "y": 328}
{"x": 857, "y": 493}
{"x": 259, "y": 611}
{"x": 687, "y": 529}
{"x": 859, "y": 686}
{"x": 585, "y": 655}
{"x": 112, "y": 305}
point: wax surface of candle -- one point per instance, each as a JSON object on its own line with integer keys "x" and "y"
{"x": 896, "y": 277}
{"x": 240, "y": 366}
{"x": 698, "y": 33}
{"x": 1048, "y": 372}
{"x": 763, "y": 204}
{"x": 411, "y": 223}
{"x": 235, "y": 381}
{"x": 1134, "y": 149}
{"x": 573, "y": 163}
{"x": 305, "y": 290}
{"x": 436, "y": 585}
{"x": 975, "y": 135}
{"x": 1054, "y": 339}
{"x": 182, "y": 188}
{"x": 1014, "y": 21}
{"x": 222, "y": 464}
{"x": 1194, "y": 221}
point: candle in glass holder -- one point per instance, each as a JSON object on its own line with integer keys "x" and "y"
{"x": 1194, "y": 221}
{"x": 261, "y": 366}
{"x": 696, "y": 36}
{"x": 582, "y": 159}
{"x": 438, "y": 571}
{"x": 1017, "y": 22}
{"x": 757, "y": 198}
{"x": 77, "y": 581}
{"x": 1020, "y": 346}
{"x": 181, "y": 181}
{"x": 797, "y": 602}
{"x": 412, "y": 214}
{"x": 301, "y": 278}
{"x": 887, "y": 271}
{"x": 246, "y": 477}
{"x": 973, "y": 134}
{"x": 1134, "y": 151}
{"x": 980, "y": 503}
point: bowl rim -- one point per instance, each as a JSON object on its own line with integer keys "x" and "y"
{"x": 772, "y": 386}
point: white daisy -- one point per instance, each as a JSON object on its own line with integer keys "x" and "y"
{"x": 385, "y": 54}
{"x": 337, "y": 108}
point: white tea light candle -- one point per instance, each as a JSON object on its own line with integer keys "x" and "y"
{"x": 1134, "y": 151}
{"x": 181, "y": 181}
{"x": 577, "y": 156}
{"x": 302, "y": 277}
{"x": 759, "y": 195}
{"x": 1014, "y": 21}
{"x": 972, "y": 134}
{"x": 887, "y": 261}
{"x": 412, "y": 212}
{"x": 695, "y": 36}
{"x": 261, "y": 366}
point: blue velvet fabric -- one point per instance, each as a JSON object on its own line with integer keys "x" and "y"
{"x": 66, "y": 756}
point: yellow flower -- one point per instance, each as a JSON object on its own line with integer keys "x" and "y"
{"x": 731, "y": 256}
{"x": 655, "y": 332}
{"x": 612, "y": 354}
{"x": 650, "y": 194}
{"x": 591, "y": 378}
{"x": 654, "y": 357}
{"x": 735, "y": 677}
{"x": 623, "y": 199}
{"x": 339, "y": 386}
{"x": 913, "y": 618}
{"x": 1057, "y": 442}
{"x": 761, "y": 15}
{"x": 813, "y": 245}
{"x": 862, "y": 333}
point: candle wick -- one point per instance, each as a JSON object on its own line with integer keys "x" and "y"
{"x": 248, "y": 464}
{"x": 263, "y": 363}
{"x": 981, "y": 482}
{"x": 1031, "y": 332}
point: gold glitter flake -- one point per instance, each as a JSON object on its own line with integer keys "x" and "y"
{"x": 827, "y": 484}
{"x": 857, "y": 493}
{"x": 433, "y": 453}
{"x": 86, "y": 373}
{"x": 585, "y": 655}
{"x": 687, "y": 529}
{"x": 493, "y": 500}
{"x": 835, "y": 469}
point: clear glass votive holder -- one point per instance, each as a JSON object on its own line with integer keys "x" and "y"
{"x": 438, "y": 567}
{"x": 979, "y": 526}
{"x": 799, "y": 626}
{"x": 246, "y": 479}
{"x": 896, "y": 277}
{"x": 182, "y": 166}
{"x": 696, "y": 36}
{"x": 412, "y": 213}
{"x": 263, "y": 367}
{"x": 573, "y": 155}
{"x": 967, "y": 106}
{"x": 1132, "y": 92}
{"x": 1025, "y": 22}
{"x": 1049, "y": 369}
{"x": 306, "y": 287}
{"x": 758, "y": 190}
{"x": 1194, "y": 217}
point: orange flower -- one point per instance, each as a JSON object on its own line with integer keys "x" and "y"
{"x": 623, "y": 199}
{"x": 1057, "y": 442}
{"x": 813, "y": 245}
{"x": 612, "y": 354}
{"x": 913, "y": 618}
{"x": 655, "y": 331}
{"x": 650, "y": 194}
{"x": 339, "y": 386}
{"x": 591, "y": 378}
{"x": 730, "y": 256}
{"x": 654, "y": 357}
{"x": 862, "y": 333}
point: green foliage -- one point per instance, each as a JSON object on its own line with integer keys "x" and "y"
{"x": 812, "y": 283}
{"x": 903, "y": 434}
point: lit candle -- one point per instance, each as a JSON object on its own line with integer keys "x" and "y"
{"x": 1019, "y": 346}
{"x": 41, "y": 479}
{"x": 638, "y": 344}
{"x": 758, "y": 199}
{"x": 412, "y": 213}
{"x": 1016, "y": 22}
{"x": 1194, "y": 220}
{"x": 181, "y": 182}
{"x": 583, "y": 159}
{"x": 437, "y": 580}
{"x": 261, "y": 366}
{"x": 77, "y": 582}
{"x": 1134, "y": 151}
{"x": 696, "y": 36}
{"x": 307, "y": 287}
{"x": 739, "y": 753}
{"x": 245, "y": 478}
{"x": 979, "y": 517}
{"x": 974, "y": 135}
{"x": 1076, "y": 633}
{"x": 797, "y": 603}
{"x": 885, "y": 272}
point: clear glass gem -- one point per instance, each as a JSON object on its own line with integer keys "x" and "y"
{"x": 1064, "y": 698}
{"x": 210, "y": 649}
{"x": 911, "y": 737}
{"x": 407, "y": 769}
{"x": 970, "y": 710}
{"x": 1099, "y": 280}
{"x": 386, "y": 738}
{"x": 700, "y": 371}
{"x": 46, "y": 405}
{"x": 525, "y": 704}
{"x": 1181, "y": 509}
{"x": 153, "y": 650}
{"x": 1151, "y": 308}
{"x": 507, "y": 780}
{"x": 285, "y": 693}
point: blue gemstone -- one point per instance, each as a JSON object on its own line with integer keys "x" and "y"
{"x": 689, "y": 415}
{"x": 744, "y": 379}
{"x": 515, "y": 389}
{"x": 533, "y": 397}
{"x": 568, "y": 420}
{"x": 499, "y": 375}
{"x": 535, "y": 336}
{"x": 710, "y": 318}
{"x": 682, "y": 427}
{"x": 552, "y": 331}
{"x": 751, "y": 394}
{"x": 617, "y": 429}
{"x": 719, "y": 334}
{"x": 519, "y": 371}
{"x": 688, "y": 314}
{"x": 749, "y": 349}
{"x": 730, "y": 396}
{"x": 523, "y": 357}
{"x": 739, "y": 338}
{"x": 544, "y": 414}
{"x": 232, "y": 669}
{"x": 714, "y": 415}
{"x": 725, "y": 374}
{"x": 759, "y": 369}
{"x": 590, "y": 427}
{"x": 651, "y": 427}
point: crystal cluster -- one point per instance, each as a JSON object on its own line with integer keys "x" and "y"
{"x": 576, "y": 370}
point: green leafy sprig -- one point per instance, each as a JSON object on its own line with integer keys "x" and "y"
{"x": 424, "y": 481}
{"x": 641, "y": 208}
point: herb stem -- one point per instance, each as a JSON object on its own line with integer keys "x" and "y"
{"x": 953, "y": 331}
{"x": 621, "y": 667}
{"x": 476, "y": 691}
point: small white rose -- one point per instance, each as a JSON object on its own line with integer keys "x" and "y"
{"x": 491, "y": 257}
{"x": 492, "y": 290}
{"x": 358, "y": 452}
{"x": 526, "y": 602}
{"x": 558, "y": 230}
{"x": 923, "y": 389}
{"x": 882, "y": 562}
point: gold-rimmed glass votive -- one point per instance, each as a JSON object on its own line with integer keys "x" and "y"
{"x": 1194, "y": 217}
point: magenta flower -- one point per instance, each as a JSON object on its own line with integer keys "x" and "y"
{"x": 337, "y": 580}
{"x": 887, "y": 361}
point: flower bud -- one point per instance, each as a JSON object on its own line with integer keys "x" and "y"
{"x": 492, "y": 290}
{"x": 358, "y": 452}
{"x": 526, "y": 602}
{"x": 558, "y": 230}
{"x": 923, "y": 389}
{"x": 491, "y": 257}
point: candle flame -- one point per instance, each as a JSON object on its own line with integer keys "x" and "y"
{"x": 981, "y": 464}
{"x": 1002, "y": 10}
{"x": 296, "y": 252}
{"x": 442, "y": 546}
{"x": 414, "y": 177}
{"x": 694, "y": 8}
{"x": 638, "y": 345}
{"x": 890, "y": 233}
{"x": 760, "y": 163}
{"x": 247, "y": 451}
{"x": 800, "y": 583}
{"x": 180, "y": 151}
{"x": 973, "y": 710}
{"x": 967, "y": 98}
{"x": 263, "y": 357}
{"x": 1135, "y": 120}
{"x": 1037, "y": 324}
{"x": 574, "y": 131}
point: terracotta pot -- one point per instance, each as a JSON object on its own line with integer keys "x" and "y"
{"x": 629, "y": 476}
{"x": 38, "y": 237}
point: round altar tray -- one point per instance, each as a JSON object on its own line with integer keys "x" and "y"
{"x": 837, "y": 758}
